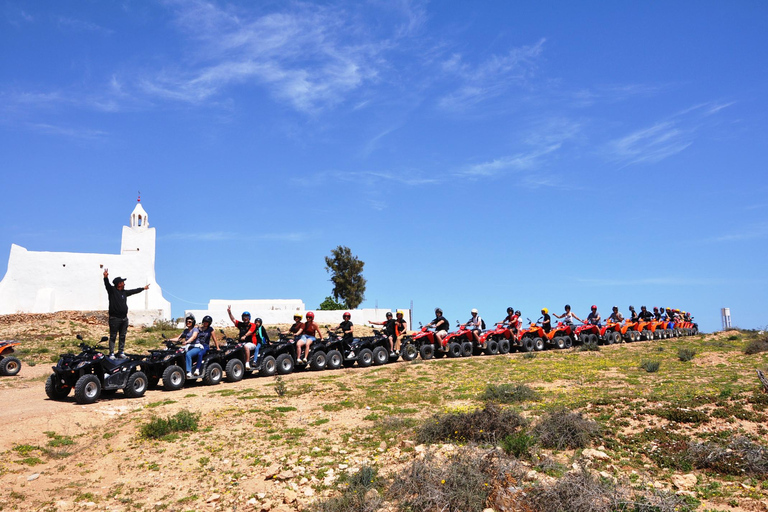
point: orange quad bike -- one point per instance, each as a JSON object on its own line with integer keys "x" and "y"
{"x": 9, "y": 365}
{"x": 533, "y": 338}
{"x": 560, "y": 336}
{"x": 646, "y": 329}
{"x": 630, "y": 331}
{"x": 611, "y": 333}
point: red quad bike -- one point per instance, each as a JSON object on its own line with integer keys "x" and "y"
{"x": 612, "y": 333}
{"x": 425, "y": 341}
{"x": 533, "y": 337}
{"x": 561, "y": 336}
{"x": 458, "y": 343}
{"x": 588, "y": 333}
{"x": 498, "y": 340}
{"x": 9, "y": 365}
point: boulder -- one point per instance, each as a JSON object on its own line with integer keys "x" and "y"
{"x": 595, "y": 454}
{"x": 684, "y": 482}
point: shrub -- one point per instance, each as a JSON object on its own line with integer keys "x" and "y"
{"x": 741, "y": 456}
{"x": 161, "y": 325}
{"x": 357, "y": 497}
{"x": 756, "y": 346}
{"x": 685, "y": 354}
{"x": 487, "y": 425}
{"x": 182, "y": 421}
{"x": 462, "y": 482}
{"x": 509, "y": 393}
{"x": 650, "y": 366}
{"x": 518, "y": 444}
{"x": 682, "y": 415}
{"x": 585, "y": 492}
{"x": 280, "y": 388}
{"x": 590, "y": 346}
{"x": 562, "y": 428}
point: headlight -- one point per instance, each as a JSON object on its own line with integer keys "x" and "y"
{"x": 168, "y": 358}
{"x": 81, "y": 364}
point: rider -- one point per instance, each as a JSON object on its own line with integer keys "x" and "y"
{"x": 512, "y": 319}
{"x": 246, "y": 329}
{"x": 401, "y": 328}
{"x": 546, "y": 320}
{"x": 632, "y": 314}
{"x": 260, "y": 336}
{"x": 440, "y": 324}
{"x": 657, "y": 314}
{"x": 389, "y": 331}
{"x": 347, "y": 333}
{"x": 307, "y": 335}
{"x": 568, "y": 316}
{"x": 594, "y": 317}
{"x": 475, "y": 325}
{"x": 201, "y": 345}
{"x": 190, "y": 334}
{"x": 644, "y": 314}
{"x": 615, "y": 316}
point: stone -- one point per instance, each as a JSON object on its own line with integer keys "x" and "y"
{"x": 531, "y": 476}
{"x": 64, "y": 505}
{"x": 372, "y": 494}
{"x": 309, "y": 492}
{"x": 488, "y": 510}
{"x": 684, "y": 482}
{"x": 383, "y": 445}
{"x": 289, "y": 496}
{"x": 303, "y": 481}
{"x": 261, "y": 495}
{"x": 89, "y": 504}
{"x": 420, "y": 448}
{"x": 266, "y": 505}
{"x": 343, "y": 466}
{"x": 33, "y": 476}
{"x": 689, "y": 494}
{"x": 285, "y": 475}
{"x": 213, "y": 498}
{"x": 407, "y": 443}
{"x": 595, "y": 454}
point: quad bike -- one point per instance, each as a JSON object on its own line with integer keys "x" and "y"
{"x": 367, "y": 351}
{"x": 611, "y": 332}
{"x": 9, "y": 365}
{"x": 588, "y": 333}
{"x": 533, "y": 338}
{"x": 498, "y": 340}
{"x": 277, "y": 357}
{"x": 168, "y": 364}
{"x": 425, "y": 340}
{"x": 561, "y": 336}
{"x": 408, "y": 349}
{"x": 629, "y": 330}
{"x": 646, "y": 329}
{"x": 458, "y": 343}
{"x": 90, "y": 373}
{"x": 325, "y": 353}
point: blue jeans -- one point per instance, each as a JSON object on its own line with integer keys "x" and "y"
{"x": 255, "y": 354}
{"x": 199, "y": 352}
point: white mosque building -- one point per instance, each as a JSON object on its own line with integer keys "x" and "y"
{"x": 46, "y": 282}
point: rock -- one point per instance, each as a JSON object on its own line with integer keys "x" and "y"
{"x": 371, "y": 495}
{"x": 285, "y": 475}
{"x": 266, "y": 505}
{"x": 300, "y": 470}
{"x": 261, "y": 495}
{"x": 33, "y": 476}
{"x": 531, "y": 476}
{"x": 328, "y": 480}
{"x": 303, "y": 481}
{"x": 289, "y": 496}
{"x": 407, "y": 443}
{"x": 684, "y": 482}
{"x": 64, "y": 505}
{"x": 488, "y": 510}
{"x": 658, "y": 485}
{"x": 383, "y": 445}
{"x": 343, "y": 466}
{"x": 252, "y": 501}
{"x": 214, "y": 498}
{"x": 309, "y": 492}
{"x": 595, "y": 454}
{"x": 420, "y": 448}
{"x": 89, "y": 504}
{"x": 690, "y": 494}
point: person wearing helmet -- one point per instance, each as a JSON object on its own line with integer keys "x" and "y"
{"x": 440, "y": 324}
{"x": 615, "y": 316}
{"x": 201, "y": 345}
{"x": 644, "y": 314}
{"x": 297, "y": 326}
{"x": 347, "y": 329}
{"x": 633, "y": 314}
{"x": 389, "y": 330}
{"x": 246, "y": 329}
{"x": 307, "y": 335}
{"x": 188, "y": 336}
{"x": 260, "y": 338}
{"x": 568, "y": 316}
{"x": 594, "y": 317}
{"x": 546, "y": 320}
{"x": 475, "y": 324}
{"x": 657, "y": 314}
{"x": 512, "y": 320}
{"x": 401, "y": 328}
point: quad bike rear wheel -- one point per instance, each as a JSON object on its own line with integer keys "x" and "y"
{"x": 427, "y": 351}
{"x": 268, "y": 367}
{"x": 409, "y": 352}
{"x": 504, "y": 346}
{"x": 10, "y": 366}
{"x": 528, "y": 345}
{"x": 466, "y": 349}
{"x": 318, "y": 361}
{"x": 568, "y": 341}
{"x": 454, "y": 349}
{"x": 87, "y": 389}
{"x": 213, "y": 374}
{"x": 559, "y": 342}
{"x": 285, "y": 364}
{"x": 380, "y": 356}
{"x": 333, "y": 360}
{"x": 173, "y": 378}
{"x": 137, "y": 385}
{"x": 54, "y": 390}
{"x": 365, "y": 358}
{"x": 538, "y": 344}
{"x": 492, "y": 347}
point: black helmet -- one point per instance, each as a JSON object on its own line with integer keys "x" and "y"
{"x": 207, "y": 318}
{"x": 615, "y": 308}
{"x": 655, "y": 308}
{"x": 190, "y": 317}
{"x": 642, "y": 307}
{"x": 510, "y": 309}
{"x": 631, "y": 308}
{"x": 389, "y": 314}
{"x": 518, "y": 313}
{"x": 567, "y": 307}
{"x": 438, "y": 311}
{"x": 257, "y": 320}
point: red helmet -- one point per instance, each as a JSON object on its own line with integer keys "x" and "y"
{"x": 346, "y": 315}
{"x": 594, "y": 307}
{"x": 310, "y": 315}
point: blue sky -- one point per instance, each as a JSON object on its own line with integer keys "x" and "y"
{"x": 473, "y": 154}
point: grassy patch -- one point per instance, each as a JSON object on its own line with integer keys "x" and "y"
{"x": 162, "y": 428}
{"x": 562, "y": 428}
{"x": 487, "y": 425}
{"x": 509, "y": 393}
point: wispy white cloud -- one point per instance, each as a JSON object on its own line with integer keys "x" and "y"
{"x": 75, "y": 25}
{"x": 68, "y": 131}
{"x": 506, "y": 164}
{"x": 653, "y": 144}
{"x": 490, "y": 78}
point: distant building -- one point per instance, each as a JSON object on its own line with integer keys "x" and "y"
{"x": 46, "y": 282}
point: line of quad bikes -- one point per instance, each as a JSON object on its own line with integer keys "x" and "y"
{"x": 91, "y": 374}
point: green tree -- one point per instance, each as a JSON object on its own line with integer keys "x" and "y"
{"x": 347, "y": 276}
{"x": 329, "y": 304}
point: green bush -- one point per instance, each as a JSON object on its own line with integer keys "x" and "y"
{"x": 509, "y": 393}
{"x": 518, "y": 444}
{"x": 161, "y": 325}
{"x": 158, "y": 428}
{"x": 650, "y": 366}
{"x": 683, "y": 415}
{"x": 487, "y": 425}
{"x": 756, "y": 346}
{"x": 590, "y": 346}
{"x": 562, "y": 428}
{"x": 685, "y": 354}
{"x": 357, "y": 496}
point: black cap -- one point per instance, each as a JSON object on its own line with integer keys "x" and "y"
{"x": 117, "y": 280}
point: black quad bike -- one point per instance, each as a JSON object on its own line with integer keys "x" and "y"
{"x": 326, "y": 353}
{"x": 276, "y": 357}
{"x": 367, "y": 351}
{"x": 91, "y": 374}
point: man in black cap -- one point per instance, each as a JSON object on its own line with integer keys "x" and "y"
{"x": 118, "y": 311}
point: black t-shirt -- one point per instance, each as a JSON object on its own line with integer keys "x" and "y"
{"x": 118, "y": 299}
{"x": 389, "y": 327}
{"x": 346, "y": 326}
{"x": 440, "y": 323}
{"x": 645, "y": 315}
{"x": 657, "y": 315}
{"x": 546, "y": 324}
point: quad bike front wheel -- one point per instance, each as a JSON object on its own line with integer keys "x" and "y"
{"x": 365, "y": 358}
{"x": 54, "y": 390}
{"x": 466, "y": 349}
{"x": 318, "y": 361}
{"x": 538, "y": 344}
{"x": 380, "y": 356}
{"x": 87, "y": 389}
{"x": 285, "y": 364}
{"x": 10, "y": 366}
{"x": 492, "y": 347}
{"x": 504, "y": 346}
{"x": 268, "y": 367}
{"x": 427, "y": 352}
{"x": 409, "y": 352}
{"x": 454, "y": 349}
